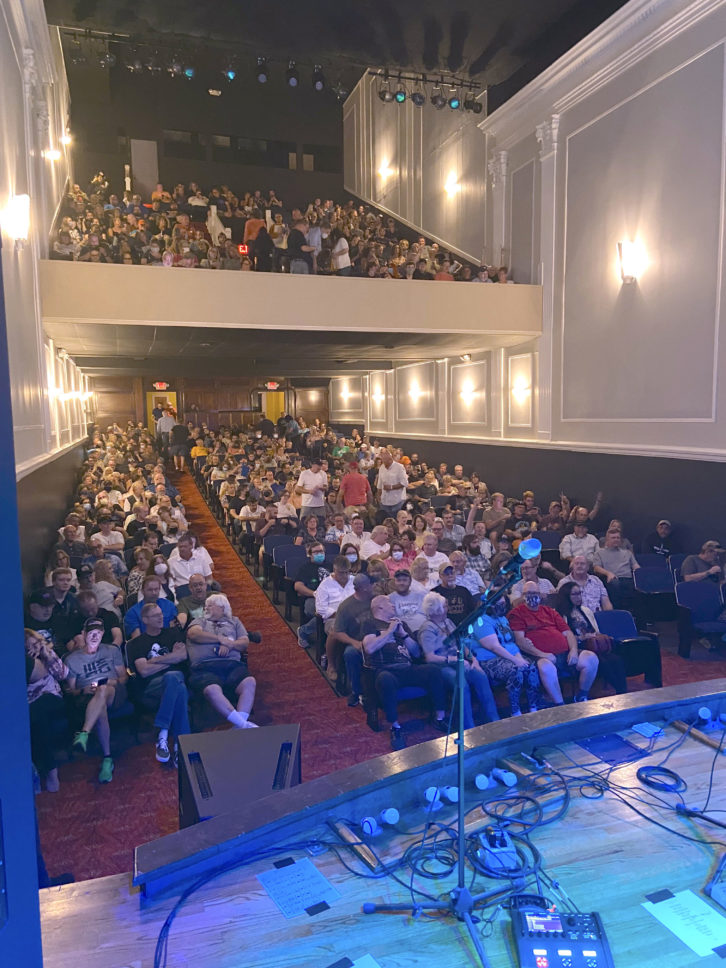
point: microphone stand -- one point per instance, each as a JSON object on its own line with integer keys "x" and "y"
{"x": 461, "y": 903}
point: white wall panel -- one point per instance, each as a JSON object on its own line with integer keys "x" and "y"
{"x": 522, "y": 227}
{"x": 469, "y": 397}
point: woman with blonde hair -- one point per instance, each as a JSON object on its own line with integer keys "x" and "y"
{"x": 44, "y": 673}
{"x": 60, "y": 559}
{"x": 107, "y": 588}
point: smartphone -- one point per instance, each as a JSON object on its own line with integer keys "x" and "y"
{"x": 102, "y": 682}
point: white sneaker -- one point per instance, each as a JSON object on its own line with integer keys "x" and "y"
{"x": 250, "y": 725}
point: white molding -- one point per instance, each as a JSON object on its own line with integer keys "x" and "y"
{"x": 625, "y": 39}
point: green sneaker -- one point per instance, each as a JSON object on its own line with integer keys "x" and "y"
{"x": 106, "y": 773}
{"x": 80, "y": 741}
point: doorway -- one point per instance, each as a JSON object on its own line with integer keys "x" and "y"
{"x": 273, "y": 404}
{"x": 157, "y": 398}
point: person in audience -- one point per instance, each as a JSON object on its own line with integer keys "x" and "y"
{"x": 65, "y": 605}
{"x": 191, "y": 606}
{"x": 98, "y": 551}
{"x": 433, "y": 559}
{"x": 71, "y": 542}
{"x": 89, "y": 608}
{"x": 338, "y": 529}
{"x": 312, "y": 485}
{"x": 217, "y": 645}
{"x": 104, "y": 585}
{"x": 706, "y": 565}
{"x": 466, "y": 575}
{"x": 95, "y": 683}
{"x": 495, "y": 516}
{"x": 111, "y": 538}
{"x": 616, "y": 565}
{"x": 661, "y": 541}
{"x": 594, "y": 593}
{"x": 541, "y": 632}
{"x": 159, "y": 685}
{"x": 151, "y": 594}
{"x": 583, "y": 625}
{"x": 358, "y": 535}
{"x": 388, "y": 650}
{"x": 391, "y": 484}
{"x": 160, "y": 568}
{"x": 580, "y": 542}
{"x": 529, "y": 570}
{"x": 352, "y": 613}
{"x": 459, "y": 600}
{"x": 330, "y": 593}
{"x": 306, "y": 582}
{"x": 185, "y": 561}
{"x": 311, "y": 531}
{"x": 59, "y": 559}
{"x": 377, "y": 545}
{"x": 143, "y": 558}
{"x": 44, "y": 673}
{"x": 440, "y": 649}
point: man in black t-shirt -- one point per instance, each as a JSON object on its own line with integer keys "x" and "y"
{"x": 179, "y": 445}
{"x": 307, "y": 579}
{"x": 88, "y": 609}
{"x": 388, "y": 648}
{"x": 459, "y": 600}
{"x": 352, "y": 614}
{"x": 299, "y": 252}
{"x": 155, "y": 656}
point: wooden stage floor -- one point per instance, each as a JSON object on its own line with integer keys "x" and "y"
{"x": 603, "y": 854}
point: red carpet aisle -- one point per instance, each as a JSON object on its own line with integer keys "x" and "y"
{"x": 92, "y": 830}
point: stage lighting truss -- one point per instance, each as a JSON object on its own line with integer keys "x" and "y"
{"x": 458, "y": 93}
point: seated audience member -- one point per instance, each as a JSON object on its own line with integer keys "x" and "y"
{"x": 460, "y": 601}
{"x": 89, "y": 608}
{"x": 65, "y": 605}
{"x": 501, "y": 556}
{"x": 358, "y": 535}
{"x": 311, "y": 531}
{"x": 352, "y": 613}
{"x": 594, "y": 593}
{"x": 407, "y": 601}
{"x": 583, "y": 626}
{"x": 160, "y": 568}
{"x": 151, "y": 594}
{"x": 452, "y": 531}
{"x": 478, "y": 550}
{"x": 420, "y": 575}
{"x": 353, "y": 558}
{"x": 445, "y": 545}
{"x": 616, "y": 525}
{"x": 432, "y": 634}
{"x": 705, "y": 566}
{"x": 191, "y": 606}
{"x": 433, "y": 559}
{"x": 44, "y": 671}
{"x": 495, "y": 517}
{"x": 661, "y": 541}
{"x": 580, "y": 542}
{"x": 39, "y": 618}
{"x": 466, "y": 576}
{"x": 217, "y": 645}
{"x": 185, "y": 561}
{"x": 98, "y": 551}
{"x": 96, "y": 677}
{"x": 110, "y": 538}
{"x": 60, "y": 559}
{"x": 616, "y": 565}
{"x": 338, "y": 529}
{"x": 388, "y": 650}
{"x": 529, "y": 571}
{"x": 377, "y": 545}
{"x": 143, "y": 558}
{"x": 541, "y": 632}
{"x": 307, "y": 580}
{"x": 158, "y": 685}
{"x": 397, "y": 557}
{"x": 331, "y": 592}
{"x": 556, "y": 517}
{"x": 71, "y": 543}
{"x": 105, "y": 586}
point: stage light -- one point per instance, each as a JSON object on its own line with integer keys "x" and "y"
{"x": 175, "y": 67}
{"x": 292, "y": 75}
{"x": 230, "y": 73}
{"x": 318, "y": 78}
{"x": 153, "y": 65}
{"x": 418, "y": 98}
{"x": 214, "y": 91}
{"x": 385, "y": 93}
{"x": 454, "y": 102}
{"x": 190, "y": 72}
{"x": 465, "y": 357}
{"x": 134, "y": 63}
{"x": 437, "y": 99}
{"x": 400, "y": 94}
{"x": 471, "y": 104}
{"x": 262, "y": 70}
{"x": 107, "y": 59}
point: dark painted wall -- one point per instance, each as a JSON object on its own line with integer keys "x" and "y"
{"x": 110, "y": 106}
{"x": 638, "y": 490}
{"x": 44, "y": 498}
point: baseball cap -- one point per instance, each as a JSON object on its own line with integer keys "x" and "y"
{"x": 361, "y": 580}
{"x": 444, "y": 566}
{"x": 402, "y": 571}
{"x": 92, "y": 623}
{"x": 664, "y": 521}
{"x": 85, "y": 571}
{"x": 43, "y": 596}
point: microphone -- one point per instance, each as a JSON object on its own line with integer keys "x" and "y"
{"x": 529, "y": 548}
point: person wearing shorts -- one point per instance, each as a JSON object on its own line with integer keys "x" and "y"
{"x": 217, "y": 644}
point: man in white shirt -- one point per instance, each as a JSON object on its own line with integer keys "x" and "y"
{"x": 391, "y": 483}
{"x": 312, "y": 484}
{"x": 407, "y": 602}
{"x": 579, "y": 543}
{"x": 357, "y": 535}
{"x": 332, "y": 591}
{"x": 433, "y": 558}
{"x": 185, "y": 561}
{"x": 376, "y": 546}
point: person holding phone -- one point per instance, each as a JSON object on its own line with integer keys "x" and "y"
{"x": 96, "y": 677}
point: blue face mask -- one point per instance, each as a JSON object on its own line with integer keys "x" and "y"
{"x": 319, "y": 557}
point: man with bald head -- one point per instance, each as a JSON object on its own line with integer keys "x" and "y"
{"x": 543, "y": 633}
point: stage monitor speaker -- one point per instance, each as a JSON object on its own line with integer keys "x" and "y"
{"x": 220, "y": 771}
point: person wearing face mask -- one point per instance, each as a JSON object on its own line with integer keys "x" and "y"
{"x": 397, "y": 557}
{"x": 350, "y": 552}
{"x": 161, "y": 569}
{"x": 541, "y": 632}
{"x": 331, "y": 593}
{"x": 307, "y": 579}
{"x": 96, "y": 677}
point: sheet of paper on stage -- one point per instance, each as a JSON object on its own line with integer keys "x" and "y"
{"x": 297, "y": 887}
{"x": 692, "y": 920}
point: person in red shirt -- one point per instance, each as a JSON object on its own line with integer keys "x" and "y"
{"x": 355, "y": 491}
{"x": 541, "y": 632}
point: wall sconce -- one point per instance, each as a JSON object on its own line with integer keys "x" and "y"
{"x": 415, "y": 392}
{"x": 385, "y": 172}
{"x": 521, "y": 389}
{"x": 378, "y": 397}
{"x": 15, "y": 219}
{"x": 52, "y": 154}
{"x": 632, "y": 261}
{"x": 66, "y": 139}
{"x": 451, "y": 185}
{"x": 468, "y": 393}
{"x": 345, "y": 393}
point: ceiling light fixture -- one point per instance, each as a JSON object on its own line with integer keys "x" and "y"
{"x": 230, "y": 73}
{"x": 417, "y": 96}
{"x": 214, "y": 91}
{"x": 471, "y": 104}
{"x": 400, "y": 95}
{"x": 437, "y": 98}
{"x": 465, "y": 357}
{"x": 318, "y": 78}
{"x": 292, "y": 76}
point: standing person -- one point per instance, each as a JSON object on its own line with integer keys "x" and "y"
{"x": 96, "y": 674}
{"x": 179, "y": 445}
{"x": 312, "y": 484}
{"x": 391, "y": 483}
{"x": 300, "y": 253}
{"x": 263, "y": 251}
{"x": 164, "y": 426}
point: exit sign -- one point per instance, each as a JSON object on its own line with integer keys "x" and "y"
{"x": 272, "y": 385}
{"x": 160, "y": 385}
